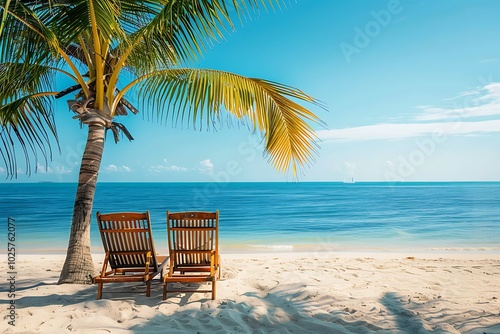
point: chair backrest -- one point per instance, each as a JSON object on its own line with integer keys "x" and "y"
{"x": 127, "y": 237}
{"x": 193, "y": 237}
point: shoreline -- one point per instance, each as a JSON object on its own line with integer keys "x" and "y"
{"x": 494, "y": 252}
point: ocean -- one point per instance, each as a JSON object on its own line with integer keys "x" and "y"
{"x": 275, "y": 217}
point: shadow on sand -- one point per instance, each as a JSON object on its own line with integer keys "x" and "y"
{"x": 286, "y": 308}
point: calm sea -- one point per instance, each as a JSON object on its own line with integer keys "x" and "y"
{"x": 457, "y": 216}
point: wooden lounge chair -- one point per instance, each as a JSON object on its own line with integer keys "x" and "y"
{"x": 129, "y": 250}
{"x": 193, "y": 241}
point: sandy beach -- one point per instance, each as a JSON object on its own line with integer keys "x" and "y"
{"x": 274, "y": 293}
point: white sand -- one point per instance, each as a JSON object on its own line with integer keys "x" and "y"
{"x": 274, "y": 293}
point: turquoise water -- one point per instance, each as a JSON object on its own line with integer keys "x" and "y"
{"x": 276, "y": 216}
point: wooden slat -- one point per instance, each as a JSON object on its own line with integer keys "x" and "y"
{"x": 128, "y": 243}
{"x": 193, "y": 245}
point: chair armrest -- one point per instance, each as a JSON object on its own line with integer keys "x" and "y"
{"x": 213, "y": 263}
{"x": 105, "y": 265}
{"x": 146, "y": 268}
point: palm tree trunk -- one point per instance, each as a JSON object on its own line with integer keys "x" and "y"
{"x": 79, "y": 267}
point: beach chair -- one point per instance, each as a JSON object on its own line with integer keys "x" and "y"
{"x": 193, "y": 241}
{"x": 129, "y": 250}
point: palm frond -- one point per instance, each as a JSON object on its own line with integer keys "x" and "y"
{"x": 28, "y": 54}
{"x": 18, "y": 79}
{"x": 191, "y": 26}
{"x": 22, "y": 26}
{"x": 197, "y": 97}
{"x": 25, "y": 122}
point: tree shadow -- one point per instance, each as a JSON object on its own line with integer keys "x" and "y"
{"x": 26, "y": 284}
{"x": 406, "y": 320}
{"x": 288, "y": 308}
{"x": 86, "y": 293}
{"x": 284, "y": 308}
{"x": 410, "y": 317}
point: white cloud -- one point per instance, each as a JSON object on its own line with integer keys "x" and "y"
{"x": 59, "y": 169}
{"x": 111, "y": 168}
{"x": 171, "y": 168}
{"x": 167, "y": 168}
{"x": 206, "y": 166}
{"x": 485, "y": 101}
{"x": 114, "y": 168}
{"x": 177, "y": 168}
{"x": 488, "y": 60}
{"x": 408, "y": 130}
{"x": 452, "y": 120}
{"x": 42, "y": 170}
{"x": 463, "y": 94}
{"x": 63, "y": 170}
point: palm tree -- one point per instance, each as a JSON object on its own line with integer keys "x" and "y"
{"x": 111, "y": 49}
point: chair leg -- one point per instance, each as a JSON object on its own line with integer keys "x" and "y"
{"x": 148, "y": 288}
{"x": 213, "y": 287}
{"x": 99, "y": 290}
{"x": 219, "y": 267}
{"x": 164, "y": 290}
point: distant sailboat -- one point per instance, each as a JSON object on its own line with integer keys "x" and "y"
{"x": 351, "y": 181}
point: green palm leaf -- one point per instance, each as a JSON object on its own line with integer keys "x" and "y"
{"x": 23, "y": 125}
{"x": 199, "y": 97}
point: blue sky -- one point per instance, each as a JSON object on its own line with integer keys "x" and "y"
{"x": 412, "y": 90}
